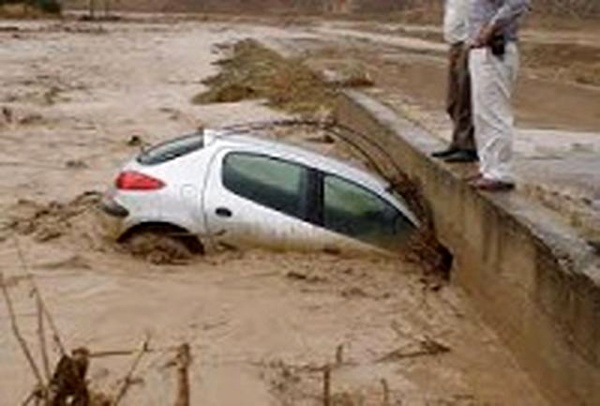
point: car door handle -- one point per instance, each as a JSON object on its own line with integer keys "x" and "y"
{"x": 223, "y": 212}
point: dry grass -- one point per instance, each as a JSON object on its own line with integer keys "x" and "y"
{"x": 16, "y": 11}
{"x": 23, "y": 11}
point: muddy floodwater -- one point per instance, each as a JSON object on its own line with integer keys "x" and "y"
{"x": 261, "y": 325}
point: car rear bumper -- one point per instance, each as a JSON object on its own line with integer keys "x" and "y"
{"x": 112, "y": 217}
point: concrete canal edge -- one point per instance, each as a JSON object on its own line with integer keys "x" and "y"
{"x": 534, "y": 281}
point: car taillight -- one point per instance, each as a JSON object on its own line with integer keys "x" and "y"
{"x": 137, "y": 181}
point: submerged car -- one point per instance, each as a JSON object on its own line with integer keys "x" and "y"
{"x": 222, "y": 188}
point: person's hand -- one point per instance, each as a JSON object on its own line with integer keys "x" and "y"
{"x": 484, "y": 36}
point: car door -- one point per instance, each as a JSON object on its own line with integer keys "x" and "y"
{"x": 254, "y": 199}
{"x": 355, "y": 211}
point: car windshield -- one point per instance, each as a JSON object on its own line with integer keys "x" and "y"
{"x": 171, "y": 149}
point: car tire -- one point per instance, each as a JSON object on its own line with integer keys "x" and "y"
{"x": 159, "y": 248}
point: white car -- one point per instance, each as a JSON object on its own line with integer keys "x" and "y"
{"x": 221, "y": 188}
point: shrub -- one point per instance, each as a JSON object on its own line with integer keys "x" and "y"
{"x": 47, "y": 6}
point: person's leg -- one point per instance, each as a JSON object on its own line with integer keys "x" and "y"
{"x": 464, "y": 133}
{"x": 492, "y": 84}
{"x": 452, "y": 81}
{"x": 452, "y": 91}
{"x": 462, "y": 147}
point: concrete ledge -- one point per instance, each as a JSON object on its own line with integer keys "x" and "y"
{"x": 533, "y": 279}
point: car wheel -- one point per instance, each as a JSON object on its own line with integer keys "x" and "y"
{"x": 159, "y": 248}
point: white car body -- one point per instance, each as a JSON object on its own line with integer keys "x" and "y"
{"x": 200, "y": 196}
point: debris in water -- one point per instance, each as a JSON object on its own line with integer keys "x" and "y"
{"x": 183, "y": 360}
{"x": 354, "y": 292}
{"x": 76, "y": 164}
{"x": 68, "y": 382}
{"x": 321, "y": 139}
{"x": 135, "y": 141}
{"x": 49, "y": 221}
{"x": 72, "y": 262}
{"x": 158, "y": 248}
{"x": 299, "y": 276}
{"x": 426, "y": 347}
{"x": 31, "y": 119}
{"x": 128, "y": 380}
{"x": 7, "y": 114}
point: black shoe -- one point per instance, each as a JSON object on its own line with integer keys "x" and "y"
{"x": 490, "y": 185}
{"x": 462, "y": 155}
{"x": 444, "y": 153}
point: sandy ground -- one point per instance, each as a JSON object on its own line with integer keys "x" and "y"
{"x": 260, "y": 324}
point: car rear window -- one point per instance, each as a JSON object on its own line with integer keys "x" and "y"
{"x": 171, "y": 149}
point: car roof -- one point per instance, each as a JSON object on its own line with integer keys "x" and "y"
{"x": 298, "y": 154}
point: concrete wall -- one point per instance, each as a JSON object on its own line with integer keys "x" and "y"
{"x": 532, "y": 279}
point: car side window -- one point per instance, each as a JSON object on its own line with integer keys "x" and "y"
{"x": 359, "y": 213}
{"x": 270, "y": 182}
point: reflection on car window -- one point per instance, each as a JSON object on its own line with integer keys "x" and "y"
{"x": 171, "y": 149}
{"x": 354, "y": 211}
{"x": 273, "y": 183}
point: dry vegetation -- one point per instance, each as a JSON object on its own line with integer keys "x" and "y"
{"x": 22, "y": 10}
{"x": 252, "y": 71}
{"x": 67, "y": 383}
{"x": 29, "y": 8}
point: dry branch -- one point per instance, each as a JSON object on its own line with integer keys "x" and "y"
{"x": 41, "y": 331}
{"x": 29, "y": 399}
{"x": 386, "y": 392}
{"x": 127, "y": 380}
{"x": 17, "y": 333}
{"x": 124, "y": 352}
{"x": 327, "y": 386}
{"x": 427, "y": 347}
{"x": 339, "y": 355}
{"x": 183, "y": 361}
{"x": 41, "y": 302}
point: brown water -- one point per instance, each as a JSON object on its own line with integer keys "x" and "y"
{"x": 260, "y": 324}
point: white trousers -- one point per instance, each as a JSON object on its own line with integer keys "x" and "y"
{"x": 492, "y": 84}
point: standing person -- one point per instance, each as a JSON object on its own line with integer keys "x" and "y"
{"x": 493, "y": 64}
{"x": 458, "y": 97}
